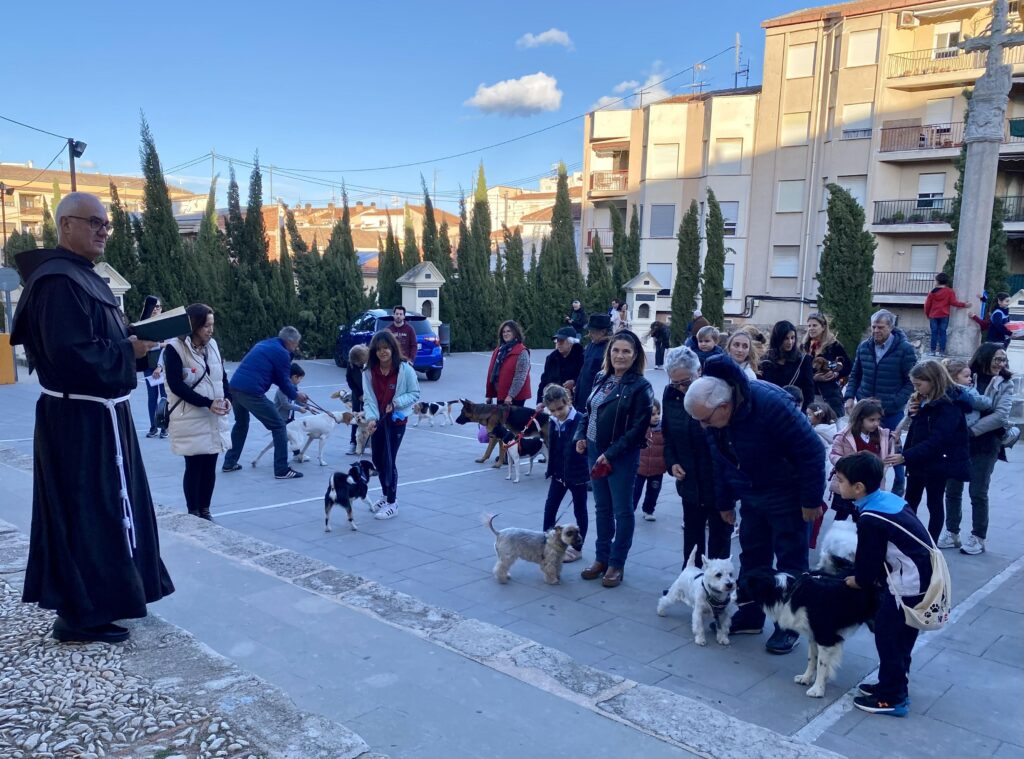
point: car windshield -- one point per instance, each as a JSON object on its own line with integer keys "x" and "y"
{"x": 421, "y": 325}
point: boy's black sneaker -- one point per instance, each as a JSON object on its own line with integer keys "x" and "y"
{"x": 873, "y": 705}
{"x": 734, "y": 630}
{"x": 868, "y": 689}
{"x": 231, "y": 468}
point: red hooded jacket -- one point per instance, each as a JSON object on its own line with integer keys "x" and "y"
{"x": 939, "y": 301}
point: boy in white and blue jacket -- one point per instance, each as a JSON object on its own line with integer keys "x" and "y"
{"x": 893, "y": 563}
{"x": 567, "y": 469}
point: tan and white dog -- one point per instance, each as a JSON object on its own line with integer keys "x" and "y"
{"x": 303, "y": 431}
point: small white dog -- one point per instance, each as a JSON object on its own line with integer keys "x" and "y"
{"x": 710, "y": 592}
{"x": 307, "y": 429}
{"x": 426, "y": 410}
{"x": 838, "y": 549}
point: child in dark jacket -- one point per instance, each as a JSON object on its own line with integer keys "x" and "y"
{"x": 567, "y": 469}
{"x": 936, "y": 448}
{"x": 357, "y": 357}
{"x": 652, "y": 466}
{"x": 890, "y": 562}
{"x": 705, "y": 343}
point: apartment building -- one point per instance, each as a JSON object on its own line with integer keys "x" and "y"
{"x": 870, "y": 95}
{"x": 658, "y": 159}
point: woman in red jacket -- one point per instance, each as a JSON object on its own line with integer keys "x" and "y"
{"x": 508, "y": 375}
{"x": 936, "y": 308}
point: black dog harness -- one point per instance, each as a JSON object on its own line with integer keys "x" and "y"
{"x": 716, "y": 606}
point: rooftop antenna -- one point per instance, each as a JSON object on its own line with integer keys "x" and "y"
{"x": 741, "y": 69}
{"x": 694, "y": 73}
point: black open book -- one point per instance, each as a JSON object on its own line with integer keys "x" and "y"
{"x": 169, "y": 324}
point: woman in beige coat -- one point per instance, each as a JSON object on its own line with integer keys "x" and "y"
{"x": 199, "y": 401}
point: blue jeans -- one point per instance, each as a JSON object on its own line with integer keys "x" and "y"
{"x": 261, "y": 407}
{"x": 939, "y": 333}
{"x": 154, "y": 393}
{"x": 613, "y": 507}
{"x": 899, "y": 483}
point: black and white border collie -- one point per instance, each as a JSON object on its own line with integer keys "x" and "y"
{"x": 820, "y": 607}
{"x": 344, "y": 487}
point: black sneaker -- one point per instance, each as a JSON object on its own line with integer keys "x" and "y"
{"x": 876, "y": 706}
{"x": 782, "y": 641}
{"x": 231, "y": 467}
{"x": 734, "y": 630}
{"x": 291, "y": 474}
{"x": 153, "y": 432}
{"x": 163, "y": 434}
{"x": 868, "y": 689}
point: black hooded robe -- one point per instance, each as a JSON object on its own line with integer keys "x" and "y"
{"x": 75, "y": 337}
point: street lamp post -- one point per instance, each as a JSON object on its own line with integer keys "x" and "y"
{"x": 75, "y": 150}
{"x": 4, "y": 192}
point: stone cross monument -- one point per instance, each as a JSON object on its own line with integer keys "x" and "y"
{"x": 986, "y": 126}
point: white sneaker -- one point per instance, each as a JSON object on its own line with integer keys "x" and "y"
{"x": 378, "y": 505}
{"x": 649, "y": 517}
{"x": 389, "y": 511}
{"x": 973, "y": 546}
{"x": 948, "y": 540}
{"x": 571, "y": 554}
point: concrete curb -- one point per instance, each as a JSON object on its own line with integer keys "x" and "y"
{"x": 677, "y": 720}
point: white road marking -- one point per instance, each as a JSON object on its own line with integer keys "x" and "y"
{"x": 320, "y": 497}
{"x": 814, "y": 729}
{"x": 16, "y": 440}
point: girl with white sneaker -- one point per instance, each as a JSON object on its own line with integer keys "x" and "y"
{"x": 390, "y": 389}
{"x": 991, "y": 379}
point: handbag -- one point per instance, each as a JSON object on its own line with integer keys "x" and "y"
{"x": 162, "y": 416}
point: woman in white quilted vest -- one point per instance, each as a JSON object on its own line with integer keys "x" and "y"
{"x": 198, "y": 401}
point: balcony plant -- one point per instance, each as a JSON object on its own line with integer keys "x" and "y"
{"x": 915, "y": 218}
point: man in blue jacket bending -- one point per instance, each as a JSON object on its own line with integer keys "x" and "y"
{"x": 267, "y": 363}
{"x": 768, "y": 457}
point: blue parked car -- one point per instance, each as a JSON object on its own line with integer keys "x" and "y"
{"x": 429, "y": 358}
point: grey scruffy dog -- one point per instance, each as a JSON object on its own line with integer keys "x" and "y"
{"x": 544, "y": 548}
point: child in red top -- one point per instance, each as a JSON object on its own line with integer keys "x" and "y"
{"x": 652, "y": 466}
{"x": 863, "y": 433}
{"x": 936, "y": 308}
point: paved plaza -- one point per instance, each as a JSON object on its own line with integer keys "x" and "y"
{"x": 399, "y": 633}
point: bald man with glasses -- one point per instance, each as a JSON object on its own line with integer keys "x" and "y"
{"x": 94, "y": 556}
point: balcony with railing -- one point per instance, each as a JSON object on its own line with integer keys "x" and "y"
{"x": 945, "y": 63}
{"x": 609, "y": 181}
{"x": 902, "y": 283}
{"x": 1013, "y": 209}
{"x": 604, "y": 233}
{"x": 915, "y": 211}
{"x": 904, "y": 139}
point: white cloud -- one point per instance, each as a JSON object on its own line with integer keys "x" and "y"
{"x": 631, "y": 93}
{"x": 627, "y": 86}
{"x": 551, "y": 37}
{"x": 519, "y": 97}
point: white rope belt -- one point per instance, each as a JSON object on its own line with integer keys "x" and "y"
{"x": 127, "y": 517}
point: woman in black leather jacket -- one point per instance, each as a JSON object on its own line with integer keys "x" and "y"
{"x": 611, "y": 433}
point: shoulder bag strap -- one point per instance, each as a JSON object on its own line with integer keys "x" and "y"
{"x": 931, "y": 547}
{"x": 202, "y": 376}
{"x": 799, "y": 366}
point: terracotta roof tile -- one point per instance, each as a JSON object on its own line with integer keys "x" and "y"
{"x": 845, "y": 10}
{"x": 15, "y": 175}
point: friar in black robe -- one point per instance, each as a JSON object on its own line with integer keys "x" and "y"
{"x": 93, "y": 558}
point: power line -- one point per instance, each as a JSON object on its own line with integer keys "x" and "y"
{"x": 36, "y": 129}
{"x": 44, "y": 169}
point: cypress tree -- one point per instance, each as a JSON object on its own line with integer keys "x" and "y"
{"x": 519, "y": 298}
{"x": 410, "y": 251}
{"x": 447, "y": 269}
{"x": 212, "y": 254}
{"x": 687, "y": 284}
{"x": 389, "y": 269}
{"x": 600, "y": 289}
{"x": 620, "y": 267}
{"x": 633, "y": 245}
{"x": 479, "y": 284}
{"x": 563, "y": 238}
{"x": 120, "y": 253}
{"x": 342, "y": 275}
{"x": 287, "y": 274}
{"x": 160, "y": 249}
{"x": 847, "y": 267}
{"x": 430, "y": 241}
{"x": 234, "y": 225}
{"x": 459, "y": 286}
{"x": 712, "y": 294}
{"x": 56, "y": 197}
{"x": 317, "y": 334}
{"x": 49, "y": 228}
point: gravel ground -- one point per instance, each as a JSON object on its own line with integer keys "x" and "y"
{"x": 76, "y": 700}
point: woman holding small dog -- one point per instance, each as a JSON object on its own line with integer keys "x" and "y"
{"x": 834, "y": 365}
{"x": 617, "y": 416}
{"x": 508, "y": 375}
{"x": 390, "y": 389}
{"x": 198, "y": 399}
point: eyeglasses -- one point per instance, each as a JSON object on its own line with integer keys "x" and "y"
{"x": 682, "y": 383}
{"x": 95, "y": 223}
{"x": 1000, "y": 360}
{"x": 709, "y": 417}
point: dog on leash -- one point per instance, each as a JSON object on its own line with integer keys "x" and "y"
{"x": 490, "y": 415}
{"x": 838, "y": 549}
{"x": 544, "y": 548}
{"x": 515, "y": 450}
{"x": 343, "y": 487}
{"x": 430, "y": 411}
{"x": 821, "y": 607}
{"x": 710, "y": 592}
{"x": 303, "y": 431}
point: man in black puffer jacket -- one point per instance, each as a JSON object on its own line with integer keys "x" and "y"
{"x": 562, "y": 366}
{"x": 881, "y": 369}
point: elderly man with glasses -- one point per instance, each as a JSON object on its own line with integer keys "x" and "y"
{"x": 688, "y": 460}
{"x": 769, "y": 458}
{"x": 94, "y": 556}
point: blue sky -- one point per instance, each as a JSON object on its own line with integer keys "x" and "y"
{"x": 350, "y": 85}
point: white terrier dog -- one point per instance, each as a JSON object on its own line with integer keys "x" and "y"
{"x": 838, "y": 549}
{"x": 710, "y": 592}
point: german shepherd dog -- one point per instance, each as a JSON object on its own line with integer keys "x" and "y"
{"x": 515, "y": 418}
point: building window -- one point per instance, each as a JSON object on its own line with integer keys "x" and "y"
{"x": 730, "y": 272}
{"x": 930, "y": 187}
{"x": 856, "y": 185}
{"x": 727, "y": 157}
{"x": 663, "y": 221}
{"x": 1013, "y": 7}
{"x": 794, "y": 129}
{"x": 730, "y": 215}
{"x": 800, "y": 61}
{"x": 923, "y": 261}
{"x": 856, "y": 121}
{"x": 862, "y": 48}
{"x": 947, "y": 37}
{"x": 664, "y": 161}
{"x": 786, "y": 261}
{"x": 662, "y": 273}
{"x": 939, "y": 111}
{"x": 790, "y": 196}
{"x": 644, "y": 312}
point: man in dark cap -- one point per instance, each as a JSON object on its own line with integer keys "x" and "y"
{"x": 599, "y": 330}
{"x": 562, "y": 366}
{"x": 94, "y": 555}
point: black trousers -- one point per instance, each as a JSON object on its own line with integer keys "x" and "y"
{"x": 933, "y": 486}
{"x": 653, "y": 483}
{"x": 200, "y": 477}
{"x": 386, "y": 440}
{"x": 699, "y": 518}
{"x": 556, "y": 494}
{"x": 894, "y": 641}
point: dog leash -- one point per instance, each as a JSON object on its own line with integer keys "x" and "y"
{"x": 127, "y": 517}
{"x": 519, "y": 436}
